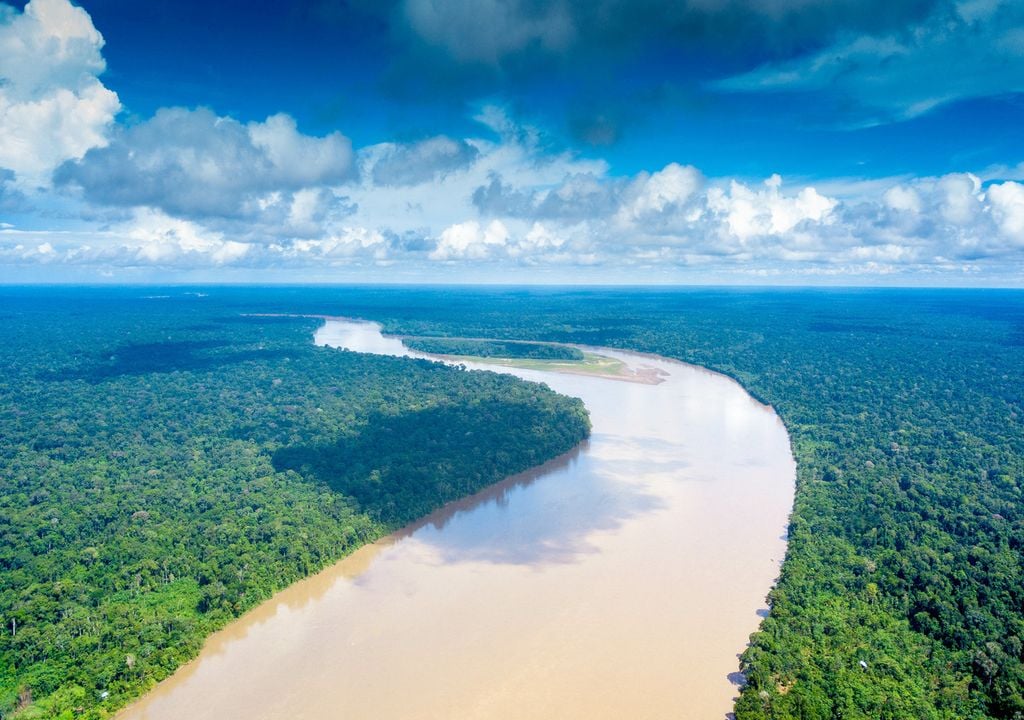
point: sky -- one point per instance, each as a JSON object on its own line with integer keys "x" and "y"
{"x": 752, "y": 142}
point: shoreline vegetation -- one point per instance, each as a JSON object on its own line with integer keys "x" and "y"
{"x": 585, "y": 363}
{"x": 169, "y": 465}
{"x": 525, "y": 354}
{"x": 498, "y": 349}
{"x": 536, "y": 526}
{"x": 902, "y": 591}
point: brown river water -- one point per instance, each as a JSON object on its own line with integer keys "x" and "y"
{"x": 618, "y": 581}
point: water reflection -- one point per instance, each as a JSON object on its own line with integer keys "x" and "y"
{"x": 549, "y": 524}
{"x": 497, "y": 494}
{"x": 619, "y": 580}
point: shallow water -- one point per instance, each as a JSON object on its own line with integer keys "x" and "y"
{"x": 618, "y": 581}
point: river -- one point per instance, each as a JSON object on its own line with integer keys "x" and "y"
{"x": 618, "y": 581}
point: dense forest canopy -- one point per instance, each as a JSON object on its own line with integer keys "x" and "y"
{"x": 492, "y": 348}
{"x": 902, "y": 594}
{"x": 166, "y": 464}
{"x": 906, "y": 413}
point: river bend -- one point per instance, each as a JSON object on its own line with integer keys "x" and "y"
{"x": 618, "y": 581}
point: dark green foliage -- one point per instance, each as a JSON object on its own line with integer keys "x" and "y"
{"x": 905, "y": 408}
{"x": 906, "y": 412}
{"x": 140, "y": 505}
{"x": 491, "y": 348}
{"x": 447, "y": 453}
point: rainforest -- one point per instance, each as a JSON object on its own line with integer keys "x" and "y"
{"x": 568, "y": 360}
{"x": 173, "y": 456}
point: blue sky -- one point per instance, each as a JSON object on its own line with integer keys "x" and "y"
{"x": 701, "y": 141}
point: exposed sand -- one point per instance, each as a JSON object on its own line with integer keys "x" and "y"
{"x": 597, "y": 362}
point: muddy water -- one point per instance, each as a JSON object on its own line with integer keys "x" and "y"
{"x": 619, "y": 581}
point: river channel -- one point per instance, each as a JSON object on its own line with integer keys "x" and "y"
{"x": 618, "y": 581}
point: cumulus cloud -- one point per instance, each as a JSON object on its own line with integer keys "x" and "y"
{"x": 748, "y": 213}
{"x": 161, "y": 240}
{"x": 902, "y": 198}
{"x": 582, "y": 196}
{"x": 1007, "y": 202}
{"x": 147, "y": 238}
{"x": 470, "y": 240}
{"x": 196, "y": 164}
{"x": 676, "y": 217}
{"x": 665, "y": 192}
{"x": 525, "y": 244}
{"x": 347, "y": 243}
{"x": 672, "y": 218}
{"x": 394, "y": 164}
{"x": 53, "y": 106}
{"x": 512, "y": 205}
{"x": 965, "y": 49}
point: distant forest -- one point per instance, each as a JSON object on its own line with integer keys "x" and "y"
{"x": 166, "y": 464}
{"x": 492, "y": 349}
{"x": 901, "y": 596}
{"x": 902, "y": 593}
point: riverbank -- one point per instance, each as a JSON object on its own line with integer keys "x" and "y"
{"x": 594, "y": 362}
{"x": 623, "y": 583}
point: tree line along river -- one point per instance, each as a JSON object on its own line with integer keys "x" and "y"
{"x": 620, "y": 580}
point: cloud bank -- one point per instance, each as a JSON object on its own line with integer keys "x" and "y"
{"x": 190, "y": 190}
{"x": 513, "y": 207}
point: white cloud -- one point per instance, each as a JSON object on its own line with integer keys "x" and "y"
{"x": 539, "y": 240}
{"x": 432, "y": 204}
{"x": 52, "y": 105}
{"x": 751, "y": 213}
{"x": 162, "y": 240}
{"x": 1007, "y": 200}
{"x": 676, "y": 218}
{"x": 556, "y": 211}
{"x": 946, "y": 225}
{"x": 150, "y": 238}
{"x": 347, "y": 243}
{"x": 469, "y": 240}
{"x": 298, "y": 160}
{"x": 196, "y": 190}
{"x": 903, "y": 198}
{"x": 195, "y": 164}
{"x": 665, "y": 190}
{"x": 960, "y": 197}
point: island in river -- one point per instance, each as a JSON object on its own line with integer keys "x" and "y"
{"x": 620, "y": 581}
